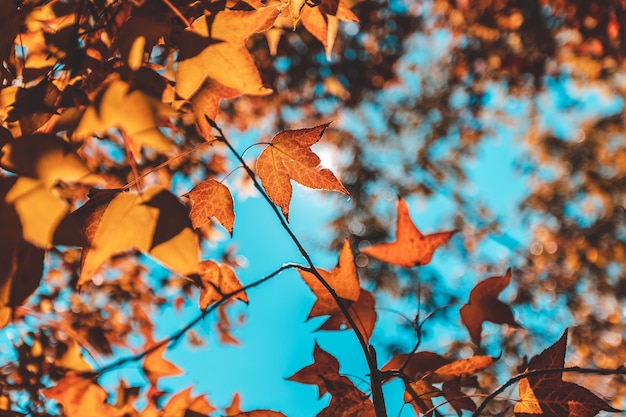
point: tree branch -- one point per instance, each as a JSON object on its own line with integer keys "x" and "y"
{"x": 368, "y": 350}
{"x": 181, "y": 332}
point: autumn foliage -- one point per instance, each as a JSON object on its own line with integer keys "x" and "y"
{"x": 119, "y": 156}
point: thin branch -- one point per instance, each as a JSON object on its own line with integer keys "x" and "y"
{"x": 177, "y": 12}
{"x": 368, "y": 350}
{"x": 182, "y": 331}
{"x": 595, "y": 371}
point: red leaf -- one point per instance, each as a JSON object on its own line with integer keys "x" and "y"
{"x": 483, "y": 305}
{"x": 324, "y": 369}
{"x": 211, "y": 198}
{"x": 411, "y": 248}
{"x": 547, "y": 395}
{"x": 289, "y": 157}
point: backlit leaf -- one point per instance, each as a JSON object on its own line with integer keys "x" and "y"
{"x": 130, "y": 110}
{"x": 483, "y": 305}
{"x": 547, "y": 395}
{"x": 462, "y": 368}
{"x": 411, "y": 248}
{"x": 218, "y": 280}
{"x": 155, "y": 367}
{"x": 214, "y": 47}
{"x": 211, "y": 198}
{"x": 419, "y": 394}
{"x": 80, "y": 397}
{"x": 343, "y": 279}
{"x": 30, "y": 212}
{"x": 45, "y": 157}
{"x": 289, "y": 157}
{"x": 154, "y": 222}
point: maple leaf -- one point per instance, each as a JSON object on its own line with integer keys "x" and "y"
{"x": 47, "y": 158}
{"x": 30, "y": 212}
{"x": 81, "y": 397}
{"x": 154, "y": 222}
{"x": 456, "y": 398}
{"x": 362, "y": 312}
{"x": 73, "y": 359}
{"x": 323, "y": 22}
{"x": 419, "y": 394}
{"x": 211, "y": 198}
{"x": 346, "y": 399}
{"x": 462, "y": 368}
{"x": 218, "y": 280}
{"x": 289, "y": 157}
{"x": 547, "y": 395}
{"x": 411, "y": 248}
{"x": 155, "y": 367}
{"x": 419, "y": 363}
{"x": 483, "y": 305}
{"x": 325, "y": 368}
{"x": 134, "y": 112}
{"x": 21, "y": 266}
{"x": 214, "y": 47}
{"x": 343, "y": 279}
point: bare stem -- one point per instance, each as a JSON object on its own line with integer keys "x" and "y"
{"x": 183, "y": 330}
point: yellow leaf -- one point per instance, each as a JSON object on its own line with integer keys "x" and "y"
{"x": 154, "y": 222}
{"x": 215, "y": 47}
{"x": 132, "y": 111}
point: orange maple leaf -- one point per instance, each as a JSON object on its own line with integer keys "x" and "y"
{"x": 155, "y": 367}
{"x": 289, "y": 157}
{"x": 483, "y": 305}
{"x": 323, "y": 22}
{"x": 547, "y": 395}
{"x": 211, "y": 198}
{"x": 213, "y": 61}
{"x": 81, "y": 397}
{"x": 411, "y": 248}
{"x": 218, "y": 280}
{"x": 343, "y": 279}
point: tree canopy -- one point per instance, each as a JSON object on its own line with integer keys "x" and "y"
{"x": 123, "y": 151}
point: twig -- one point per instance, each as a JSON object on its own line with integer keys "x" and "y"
{"x": 181, "y": 332}
{"x": 177, "y": 12}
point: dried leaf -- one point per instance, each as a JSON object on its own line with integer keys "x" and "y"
{"x": 411, "y": 248}
{"x": 211, "y": 198}
{"x": 483, "y": 305}
{"x": 547, "y": 395}
{"x": 343, "y": 279}
{"x": 289, "y": 157}
{"x": 419, "y": 364}
{"x": 419, "y": 394}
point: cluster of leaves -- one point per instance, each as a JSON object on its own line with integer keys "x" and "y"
{"x": 102, "y": 103}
